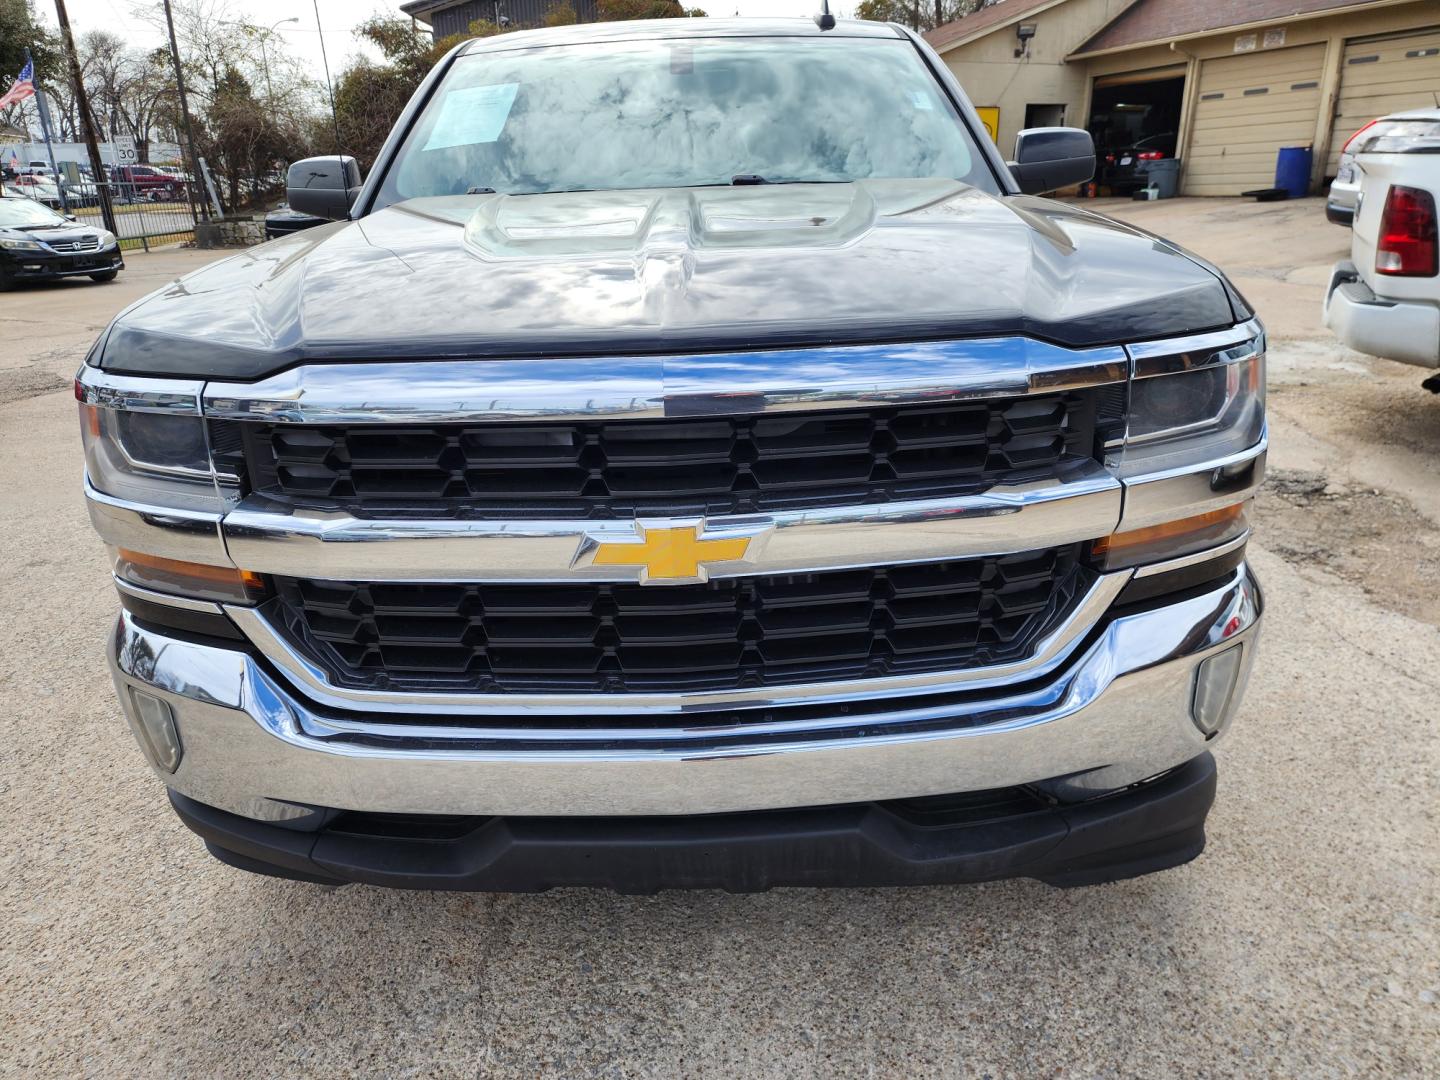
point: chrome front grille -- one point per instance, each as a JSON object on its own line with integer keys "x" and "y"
{"x": 693, "y": 465}
{"x": 735, "y": 633}
{"x": 83, "y": 243}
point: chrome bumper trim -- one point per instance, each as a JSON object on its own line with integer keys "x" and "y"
{"x": 171, "y": 534}
{"x": 183, "y": 603}
{"x": 1218, "y": 552}
{"x": 1118, "y": 714}
{"x": 1082, "y": 504}
{"x": 315, "y": 683}
{"x": 261, "y": 536}
{"x": 640, "y": 387}
{"x": 1160, "y": 497}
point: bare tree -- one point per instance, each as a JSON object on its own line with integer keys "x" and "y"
{"x": 917, "y": 15}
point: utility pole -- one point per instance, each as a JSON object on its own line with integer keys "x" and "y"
{"x": 87, "y": 122}
{"x": 185, "y": 117}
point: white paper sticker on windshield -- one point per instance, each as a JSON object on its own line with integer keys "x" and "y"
{"x": 475, "y": 114}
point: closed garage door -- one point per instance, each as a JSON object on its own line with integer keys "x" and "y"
{"x": 1247, "y": 108}
{"x": 1383, "y": 76}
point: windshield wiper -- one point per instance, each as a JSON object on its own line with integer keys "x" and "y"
{"x": 481, "y": 191}
{"x": 754, "y": 180}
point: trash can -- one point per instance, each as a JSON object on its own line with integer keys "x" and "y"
{"x": 1292, "y": 171}
{"x": 1164, "y": 176}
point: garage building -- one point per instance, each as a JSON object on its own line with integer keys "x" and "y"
{"x": 1230, "y": 82}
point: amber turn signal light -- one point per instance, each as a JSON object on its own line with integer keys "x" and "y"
{"x": 1171, "y": 539}
{"x": 1170, "y": 530}
{"x": 187, "y": 578}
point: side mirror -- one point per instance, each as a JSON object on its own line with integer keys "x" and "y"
{"x": 1052, "y": 157}
{"x": 324, "y": 186}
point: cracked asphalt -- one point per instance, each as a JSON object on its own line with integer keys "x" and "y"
{"x": 1304, "y": 942}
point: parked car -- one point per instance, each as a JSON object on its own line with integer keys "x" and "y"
{"x": 143, "y": 182}
{"x": 47, "y": 191}
{"x": 1345, "y": 188}
{"x": 282, "y": 221}
{"x": 39, "y": 188}
{"x": 1127, "y": 168}
{"x": 1385, "y": 299}
{"x": 37, "y": 244}
{"x": 728, "y": 490}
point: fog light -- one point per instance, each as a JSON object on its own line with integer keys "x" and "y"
{"x": 157, "y": 728}
{"x": 1215, "y": 681}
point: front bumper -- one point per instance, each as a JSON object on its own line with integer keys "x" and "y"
{"x": 1404, "y": 330}
{"x": 1112, "y": 711}
{"x": 40, "y": 266}
{"x": 1153, "y": 827}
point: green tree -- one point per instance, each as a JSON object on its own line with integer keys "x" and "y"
{"x": 243, "y": 140}
{"x": 561, "y": 13}
{"x": 370, "y": 95}
{"x": 20, "y": 30}
{"x": 625, "y": 10}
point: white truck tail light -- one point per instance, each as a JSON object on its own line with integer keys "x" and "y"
{"x": 1408, "y": 244}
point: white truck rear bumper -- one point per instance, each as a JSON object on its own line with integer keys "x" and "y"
{"x": 1404, "y": 330}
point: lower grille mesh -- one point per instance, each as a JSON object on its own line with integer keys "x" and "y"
{"x": 732, "y": 633}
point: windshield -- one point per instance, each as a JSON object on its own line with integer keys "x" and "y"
{"x": 683, "y": 113}
{"x": 22, "y": 212}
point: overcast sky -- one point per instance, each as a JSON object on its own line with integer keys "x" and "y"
{"x": 338, "y": 18}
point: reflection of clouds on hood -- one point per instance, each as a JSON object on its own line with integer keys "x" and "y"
{"x": 616, "y": 116}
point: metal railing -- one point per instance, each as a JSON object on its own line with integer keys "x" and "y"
{"x": 146, "y": 211}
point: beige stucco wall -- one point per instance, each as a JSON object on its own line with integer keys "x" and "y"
{"x": 993, "y": 76}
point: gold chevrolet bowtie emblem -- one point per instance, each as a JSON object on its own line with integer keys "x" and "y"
{"x": 674, "y": 554}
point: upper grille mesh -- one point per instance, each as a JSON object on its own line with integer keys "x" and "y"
{"x": 708, "y": 465}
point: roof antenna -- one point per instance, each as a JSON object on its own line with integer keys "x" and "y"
{"x": 825, "y": 21}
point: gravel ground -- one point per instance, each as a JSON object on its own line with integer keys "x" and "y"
{"x": 1303, "y": 943}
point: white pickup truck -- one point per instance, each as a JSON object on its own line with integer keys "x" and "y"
{"x": 1385, "y": 299}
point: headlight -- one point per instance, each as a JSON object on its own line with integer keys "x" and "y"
{"x": 21, "y": 245}
{"x": 1188, "y": 418}
{"x": 157, "y": 458}
{"x": 107, "y": 238}
{"x": 1194, "y": 409}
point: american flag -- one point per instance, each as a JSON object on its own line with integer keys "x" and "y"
{"x": 24, "y": 86}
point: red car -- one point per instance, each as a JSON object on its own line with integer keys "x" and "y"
{"x": 144, "y": 182}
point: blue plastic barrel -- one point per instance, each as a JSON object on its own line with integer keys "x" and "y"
{"x": 1292, "y": 171}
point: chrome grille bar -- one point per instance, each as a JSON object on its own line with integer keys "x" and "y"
{"x": 638, "y": 387}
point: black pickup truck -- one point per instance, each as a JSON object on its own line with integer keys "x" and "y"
{"x": 693, "y": 457}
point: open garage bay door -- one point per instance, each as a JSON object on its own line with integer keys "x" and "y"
{"x": 1249, "y": 106}
{"x": 1383, "y": 76}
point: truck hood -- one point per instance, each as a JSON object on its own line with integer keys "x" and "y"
{"x": 677, "y": 270}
